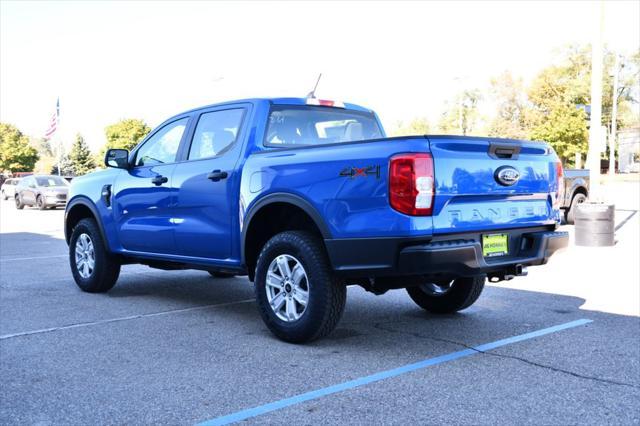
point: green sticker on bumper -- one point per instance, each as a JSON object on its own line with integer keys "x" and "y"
{"x": 495, "y": 245}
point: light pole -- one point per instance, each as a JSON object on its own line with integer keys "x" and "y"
{"x": 614, "y": 121}
{"x": 596, "y": 108}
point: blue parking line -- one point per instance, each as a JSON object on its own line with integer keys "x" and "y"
{"x": 287, "y": 402}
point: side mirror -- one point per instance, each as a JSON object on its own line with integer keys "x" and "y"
{"x": 117, "y": 158}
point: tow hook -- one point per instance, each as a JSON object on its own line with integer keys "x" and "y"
{"x": 508, "y": 274}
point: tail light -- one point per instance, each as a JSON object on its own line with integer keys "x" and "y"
{"x": 411, "y": 184}
{"x": 560, "y": 182}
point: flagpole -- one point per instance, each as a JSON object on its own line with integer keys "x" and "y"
{"x": 58, "y": 136}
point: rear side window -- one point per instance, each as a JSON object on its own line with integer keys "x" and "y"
{"x": 308, "y": 125}
{"x": 215, "y": 133}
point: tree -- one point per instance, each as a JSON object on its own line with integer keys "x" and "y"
{"x": 462, "y": 116}
{"x": 81, "y": 157}
{"x": 511, "y": 107}
{"x": 16, "y": 154}
{"x": 66, "y": 167}
{"x": 417, "y": 126}
{"x": 565, "y": 129}
{"x": 42, "y": 145}
{"x": 561, "y": 93}
{"x": 125, "y": 134}
{"x": 629, "y": 92}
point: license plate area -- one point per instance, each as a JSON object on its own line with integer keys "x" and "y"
{"x": 494, "y": 245}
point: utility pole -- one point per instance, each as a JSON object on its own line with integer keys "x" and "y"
{"x": 614, "y": 119}
{"x": 595, "y": 121}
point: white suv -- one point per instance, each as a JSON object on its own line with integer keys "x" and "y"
{"x": 8, "y": 189}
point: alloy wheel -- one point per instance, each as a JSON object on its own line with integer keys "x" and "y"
{"x": 85, "y": 256}
{"x": 287, "y": 288}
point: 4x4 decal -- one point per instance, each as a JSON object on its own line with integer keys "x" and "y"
{"x": 354, "y": 172}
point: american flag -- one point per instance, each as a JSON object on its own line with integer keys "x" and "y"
{"x": 53, "y": 123}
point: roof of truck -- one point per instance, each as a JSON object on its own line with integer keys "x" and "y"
{"x": 280, "y": 101}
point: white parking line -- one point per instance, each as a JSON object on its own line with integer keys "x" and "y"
{"x": 32, "y": 258}
{"x": 131, "y": 317}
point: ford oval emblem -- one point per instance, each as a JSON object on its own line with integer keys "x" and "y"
{"x": 507, "y": 175}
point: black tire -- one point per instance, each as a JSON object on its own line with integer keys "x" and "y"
{"x": 570, "y": 215}
{"x": 107, "y": 268}
{"x": 326, "y": 294}
{"x": 216, "y": 274}
{"x": 462, "y": 293}
{"x": 40, "y": 203}
{"x": 4, "y": 196}
{"x": 19, "y": 203}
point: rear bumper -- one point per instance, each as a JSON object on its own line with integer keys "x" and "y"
{"x": 450, "y": 255}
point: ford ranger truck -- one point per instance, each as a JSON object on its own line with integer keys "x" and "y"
{"x": 307, "y": 196}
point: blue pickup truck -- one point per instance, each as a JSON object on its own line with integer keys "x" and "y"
{"x": 307, "y": 196}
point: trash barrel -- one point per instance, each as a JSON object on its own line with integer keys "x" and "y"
{"x": 595, "y": 224}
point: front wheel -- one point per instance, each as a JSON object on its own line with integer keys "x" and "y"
{"x": 299, "y": 297}
{"x": 40, "y": 203}
{"x": 19, "y": 203}
{"x": 445, "y": 297}
{"x": 4, "y": 196}
{"x": 94, "y": 269}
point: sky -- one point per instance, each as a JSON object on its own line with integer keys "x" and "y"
{"x": 112, "y": 60}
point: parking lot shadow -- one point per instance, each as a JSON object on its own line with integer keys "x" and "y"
{"x": 15, "y": 245}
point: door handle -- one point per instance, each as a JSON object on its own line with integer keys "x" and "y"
{"x": 159, "y": 180}
{"x": 216, "y": 175}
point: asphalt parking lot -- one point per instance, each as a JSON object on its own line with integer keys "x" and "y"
{"x": 560, "y": 346}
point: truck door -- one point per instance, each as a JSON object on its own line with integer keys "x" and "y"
{"x": 143, "y": 195}
{"x": 207, "y": 185}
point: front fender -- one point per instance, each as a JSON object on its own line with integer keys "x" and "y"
{"x": 81, "y": 201}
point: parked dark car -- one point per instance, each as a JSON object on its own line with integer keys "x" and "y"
{"x": 42, "y": 191}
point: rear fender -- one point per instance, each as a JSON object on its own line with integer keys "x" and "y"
{"x": 287, "y": 198}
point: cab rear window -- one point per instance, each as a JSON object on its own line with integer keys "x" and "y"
{"x": 309, "y": 125}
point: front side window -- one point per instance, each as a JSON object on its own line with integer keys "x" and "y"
{"x": 309, "y": 125}
{"x": 215, "y": 133}
{"x": 163, "y": 146}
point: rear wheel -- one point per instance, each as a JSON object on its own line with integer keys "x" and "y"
{"x": 570, "y": 215}
{"x": 4, "y": 196}
{"x": 445, "y": 297}
{"x": 94, "y": 269}
{"x": 19, "y": 203}
{"x": 299, "y": 297}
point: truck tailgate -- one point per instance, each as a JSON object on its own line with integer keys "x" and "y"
{"x": 469, "y": 194}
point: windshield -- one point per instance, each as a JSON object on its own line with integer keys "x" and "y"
{"x": 308, "y": 125}
{"x": 51, "y": 181}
